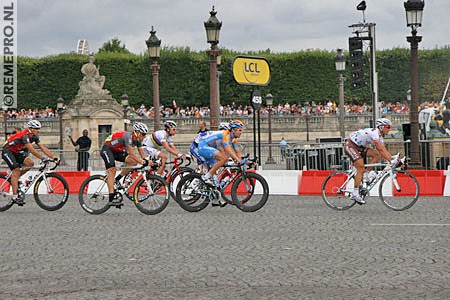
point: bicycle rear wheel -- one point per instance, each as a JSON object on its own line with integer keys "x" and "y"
{"x": 335, "y": 194}
{"x": 151, "y": 196}
{"x": 52, "y": 192}
{"x": 250, "y": 192}
{"x": 399, "y": 195}
{"x": 93, "y": 195}
{"x": 192, "y": 193}
{"x": 5, "y": 193}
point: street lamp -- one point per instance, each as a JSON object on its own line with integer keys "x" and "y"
{"x": 154, "y": 51}
{"x": 269, "y": 103}
{"x": 59, "y": 109}
{"x": 414, "y": 10}
{"x": 125, "y": 103}
{"x": 339, "y": 60}
{"x": 212, "y": 27}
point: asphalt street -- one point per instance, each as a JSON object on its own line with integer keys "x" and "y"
{"x": 293, "y": 248}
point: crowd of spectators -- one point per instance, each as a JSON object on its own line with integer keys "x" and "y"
{"x": 234, "y": 110}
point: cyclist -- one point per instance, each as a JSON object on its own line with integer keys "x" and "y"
{"x": 119, "y": 146}
{"x": 356, "y": 147}
{"x": 193, "y": 149}
{"x": 16, "y": 150}
{"x": 210, "y": 149}
{"x": 163, "y": 138}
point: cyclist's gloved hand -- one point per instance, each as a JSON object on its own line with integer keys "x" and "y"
{"x": 45, "y": 160}
{"x": 56, "y": 160}
{"x": 146, "y": 161}
{"x": 243, "y": 161}
{"x": 180, "y": 155}
{"x": 394, "y": 162}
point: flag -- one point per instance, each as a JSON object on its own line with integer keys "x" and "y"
{"x": 174, "y": 103}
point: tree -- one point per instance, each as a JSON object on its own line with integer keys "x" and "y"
{"x": 113, "y": 45}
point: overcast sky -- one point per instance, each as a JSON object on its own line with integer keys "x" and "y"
{"x": 49, "y": 27}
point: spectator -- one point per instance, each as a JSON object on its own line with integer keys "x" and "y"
{"x": 283, "y": 147}
{"x": 82, "y": 146}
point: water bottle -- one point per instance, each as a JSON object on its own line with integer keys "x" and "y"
{"x": 28, "y": 181}
{"x": 225, "y": 180}
{"x": 127, "y": 180}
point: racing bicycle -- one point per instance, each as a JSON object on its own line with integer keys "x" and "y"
{"x": 50, "y": 189}
{"x": 397, "y": 188}
{"x": 249, "y": 190}
{"x": 149, "y": 192}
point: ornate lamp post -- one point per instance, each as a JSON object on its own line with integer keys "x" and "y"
{"x": 212, "y": 27}
{"x": 154, "y": 51}
{"x": 125, "y": 103}
{"x": 60, "y": 109}
{"x": 339, "y": 60}
{"x": 269, "y": 103}
{"x": 414, "y": 10}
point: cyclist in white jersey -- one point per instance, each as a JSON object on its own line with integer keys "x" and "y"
{"x": 153, "y": 142}
{"x": 356, "y": 147}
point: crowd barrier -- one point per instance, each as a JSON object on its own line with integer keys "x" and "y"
{"x": 293, "y": 182}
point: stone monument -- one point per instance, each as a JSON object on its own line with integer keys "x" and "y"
{"x": 93, "y": 108}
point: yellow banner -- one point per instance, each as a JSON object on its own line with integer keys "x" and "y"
{"x": 248, "y": 70}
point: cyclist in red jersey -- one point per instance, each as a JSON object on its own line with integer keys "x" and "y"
{"x": 17, "y": 148}
{"x": 119, "y": 146}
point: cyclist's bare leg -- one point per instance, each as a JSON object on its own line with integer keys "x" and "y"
{"x": 110, "y": 181}
{"x": 359, "y": 165}
{"x": 162, "y": 167}
{"x": 374, "y": 156}
{"x": 221, "y": 159}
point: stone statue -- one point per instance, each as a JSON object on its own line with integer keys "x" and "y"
{"x": 92, "y": 83}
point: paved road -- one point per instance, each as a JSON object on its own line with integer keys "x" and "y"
{"x": 294, "y": 248}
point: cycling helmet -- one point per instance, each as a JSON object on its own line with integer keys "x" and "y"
{"x": 224, "y": 126}
{"x": 34, "y": 124}
{"x": 236, "y": 124}
{"x": 141, "y": 127}
{"x": 170, "y": 124}
{"x": 383, "y": 122}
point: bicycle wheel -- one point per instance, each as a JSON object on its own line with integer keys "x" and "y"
{"x": 399, "y": 195}
{"x": 93, "y": 195}
{"x": 335, "y": 194}
{"x": 151, "y": 196}
{"x": 176, "y": 177}
{"x": 51, "y": 192}
{"x": 192, "y": 194}
{"x": 5, "y": 193}
{"x": 251, "y": 193}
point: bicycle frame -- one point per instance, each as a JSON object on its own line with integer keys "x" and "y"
{"x": 43, "y": 170}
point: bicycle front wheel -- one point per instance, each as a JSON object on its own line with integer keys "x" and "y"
{"x": 400, "y": 191}
{"x": 151, "y": 196}
{"x": 51, "y": 191}
{"x": 93, "y": 195}
{"x": 192, "y": 193}
{"x": 250, "y": 192}
{"x": 336, "y": 190}
{"x": 5, "y": 193}
{"x": 175, "y": 179}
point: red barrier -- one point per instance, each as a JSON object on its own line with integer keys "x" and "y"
{"x": 311, "y": 182}
{"x": 431, "y": 182}
{"x": 74, "y": 180}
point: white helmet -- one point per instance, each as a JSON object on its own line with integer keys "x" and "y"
{"x": 170, "y": 124}
{"x": 224, "y": 126}
{"x": 34, "y": 124}
{"x": 141, "y": 127}
{"x": 383, "y": 122}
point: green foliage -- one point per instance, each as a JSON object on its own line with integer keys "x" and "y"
{"x": 184, "y": 76}
{"x": 113, "y": 45}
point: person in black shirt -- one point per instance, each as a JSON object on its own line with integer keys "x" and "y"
{"x": 202, "y": 127}
{"x": 82, "y": 146}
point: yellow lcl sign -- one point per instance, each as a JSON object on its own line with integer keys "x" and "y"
{"x": 250, "y": 70}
